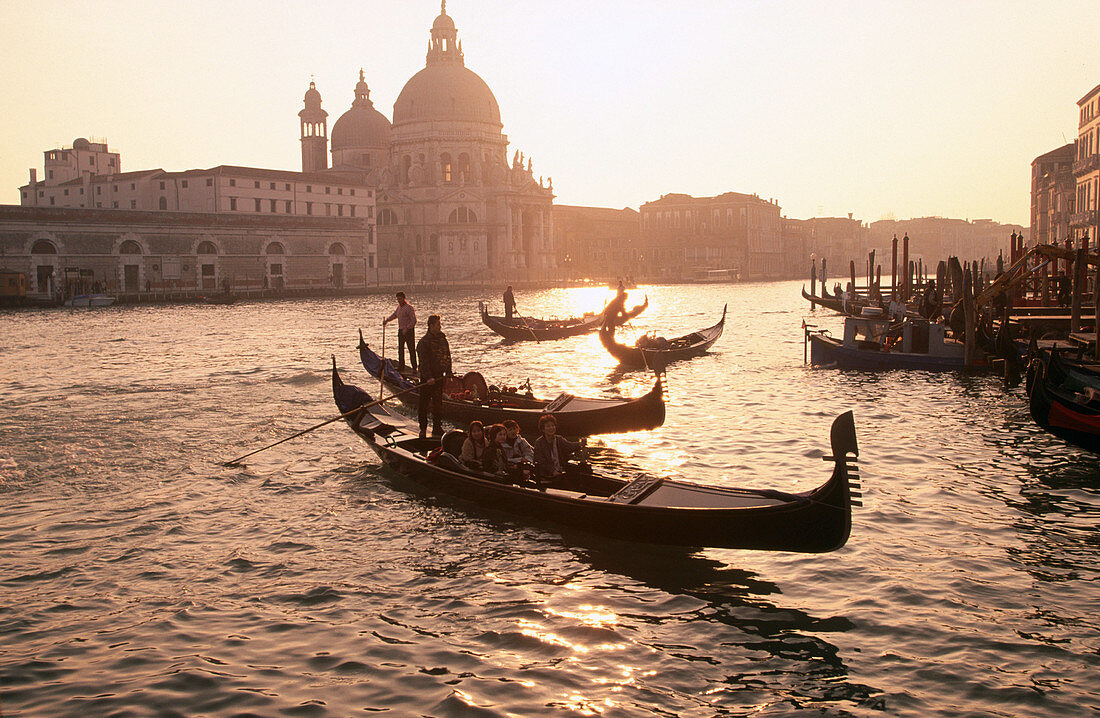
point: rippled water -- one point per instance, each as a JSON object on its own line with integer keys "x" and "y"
{"x": 141, "y": 578}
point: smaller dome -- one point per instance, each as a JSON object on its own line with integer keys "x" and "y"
{"x": 312, "y": 95}
{"x": 443, "y": 22}
{"x": 81, "y": 144}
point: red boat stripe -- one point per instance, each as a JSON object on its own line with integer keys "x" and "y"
{"x": 1068, "y": 419}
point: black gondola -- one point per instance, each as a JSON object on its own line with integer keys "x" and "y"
{"x": 1064, "y": 399}
{"x": 518, "y": 329}
{"x": 656, "y": 354}
{"x": 647, "y": 509}
{"x": 576, "y": 416}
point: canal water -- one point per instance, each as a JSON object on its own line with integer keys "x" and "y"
{"x": 140, "y": 577}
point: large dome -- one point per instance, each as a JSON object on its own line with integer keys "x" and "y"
{"x": 446, "y": 92}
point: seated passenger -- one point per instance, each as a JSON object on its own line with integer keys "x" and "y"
{"x": 518, "y": 454}
{"x": 551, "y": 450}
{"x": 493, "y": 461}
{"x": 473, "y": 449}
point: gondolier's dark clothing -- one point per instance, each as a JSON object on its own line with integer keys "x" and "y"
{"x": 550, "y": 459}
{"x": 509, "y": 303}
{"x": 435, "y": 363}
{"x": 406, "y": 333}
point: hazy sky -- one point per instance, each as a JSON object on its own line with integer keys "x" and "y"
{"x": 876, "y": 108}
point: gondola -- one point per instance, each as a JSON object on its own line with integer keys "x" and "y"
{"x": 576, "y": 416}
{"x": 852, "y": 307}
{"x": 1064, "y": 399}
{"x": 226, "y": 298}
{"x": 518, "y": 329}
{"x": 656, "y": 353}
{"x": 646, "y": 509}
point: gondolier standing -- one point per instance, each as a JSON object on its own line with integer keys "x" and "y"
{"x": 435, "y": 363}
{"x": 406, "y": 330}
{"x": 509, "y": 303}
{"x": 615, "y": 310}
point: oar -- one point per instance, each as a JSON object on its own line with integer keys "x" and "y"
{"x": 382, "y": 372}
{"x": 533, "y": 335}
{"x": 329, "y": 421}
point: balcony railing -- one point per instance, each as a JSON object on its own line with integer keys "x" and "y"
{"x": 1083, "y": 219}
{"x": 1086, "y": 165}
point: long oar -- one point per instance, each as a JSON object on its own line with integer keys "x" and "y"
{"x": 329, "y": 421}
{"x": 382, "y": 372}
{"x": 536, "y": 337}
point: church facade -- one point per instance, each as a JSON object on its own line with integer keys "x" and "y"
{"x": 450, "y": 204}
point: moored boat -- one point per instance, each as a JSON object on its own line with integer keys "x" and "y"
{"x": 877, "y": 343}
{"x": 576, "y": 416}
{"x": 656, "y": 352}
{"x": 90, "y": 300}
{"x": 1064, "y": 399}
{"x": 648, "y": 509}
{"x": 528, "y": 328}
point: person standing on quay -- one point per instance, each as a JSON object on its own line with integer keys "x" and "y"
{"x": 435, "y": 363}
{"x": 509, "y": 303}
{"x": 406, "y": 330}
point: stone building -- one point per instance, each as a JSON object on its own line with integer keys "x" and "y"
{"x": 932, "y": 239}
{"x": 596, "y": 242}
{"x": 1053, "y": 188}
{"x": 134, "y": 252}
{"x": 1085, "y": 220}
{"x": 685, "y": 237}
{"x": 450, "y": 205}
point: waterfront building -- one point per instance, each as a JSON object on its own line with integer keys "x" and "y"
{"x": 840, "y": 240}
{"x": 1085, "y": 221}
{"x": 1053, "y": 190}
{"x": 685, "y": 237}
{"x": 450, "y": 206}
{"x": 134, "y": 252}
{"x": 934, "y": 239}
{"x": 596, "y": 242}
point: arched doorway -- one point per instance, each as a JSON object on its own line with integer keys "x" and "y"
{"x": 208, "y": 265}
{"x": 44, "y": 260}
{"x": 336, "y": 254}
{"x": 130, "y": 258}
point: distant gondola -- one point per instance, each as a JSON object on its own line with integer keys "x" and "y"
{"x": 1064, "y": 399}
{"x": 647, "y": 509}
{"x": 518, "y": 329}
{"x": 576, "y": 416}
{"x": 658, "y": 356}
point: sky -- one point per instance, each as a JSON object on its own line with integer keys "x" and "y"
{"x": 892, "y": 109}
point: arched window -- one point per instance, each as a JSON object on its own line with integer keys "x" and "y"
{"x": 387, "y": 216}
{"x": 164, "y": 203}
{"x": 337, "y": 249}
{"x": 129, "y": 247}
{"x": 464, "y": 165}
{"x": 275, "y": 248}
{"x": 462, "y": 215}
{"x": 445, "y": 166}
{"x": 207, "y": 248}
{"x": 43, "y": 246}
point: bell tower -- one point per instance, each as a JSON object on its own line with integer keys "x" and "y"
{"x": 314, "y": 125}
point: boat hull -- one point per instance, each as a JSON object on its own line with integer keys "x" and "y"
{"x": 608, "y": 416}
{"x": 658, "y": 359}
{"x": 828, "y": 351}
{"x": 811, "y": 522}
{"x": 519, "y": 329}
{"x": 1055, "y": 410}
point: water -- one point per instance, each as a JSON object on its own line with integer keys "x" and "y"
{"x": 141, "y": 578}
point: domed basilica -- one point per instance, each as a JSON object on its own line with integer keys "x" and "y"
{"x": 450, "y": 205}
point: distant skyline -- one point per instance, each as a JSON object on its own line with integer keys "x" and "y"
{"x": 900, "y": 109}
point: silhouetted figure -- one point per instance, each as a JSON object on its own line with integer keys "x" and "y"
{"x": 509, "y": 303}
{"x": 435, "y": 363}
{"x": 406, "y": 330}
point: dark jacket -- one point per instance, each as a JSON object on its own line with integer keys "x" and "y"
{"x": 434, "y": 355}
{"x": 544, "y": 462}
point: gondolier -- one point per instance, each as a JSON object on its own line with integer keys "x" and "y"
{"x": 435, "y": 363}
{"x": 509, "y": 303}
{"x": 406, "y": 330}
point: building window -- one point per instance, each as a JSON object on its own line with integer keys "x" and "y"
{"x": 114, "y": 188}
{"x": 339, "y": 190}
{"x": 309, "y": 188}
{"x": 272, "y": 185}
{"x": 352, "y": 210}
{"x": 287, "y": 186}
{"x": 65, "y": 192}
{"x": 133, "y": 186}
{"x": 233, "y": 203}
{"x": 91, "y": 161}
{"x": 98, "y": 190}
{"x": 51, "y": 174}
{"x": 288, "y": 206}
{"x": 273, "y": 210}
{"x": 164, "y": 203}
{"x": 257, "y": 201}
{"x": 209, "y": 181}
{"x": 328, "y": 190}
{"x": 232, "y": 182}
{"x": 352, "y": 192}
{"x": 339, "y": 210}
{"x": 114, "y": 205}
{"x": 309, "y": 208}
{"x": 133, "y": 204}
{"x": 183, "y": 183}
{"x": 328, "y": 209}
{"x": 257, "y": 183}
{"x": 387, "y": 216}
{"x": 51, "y": 199}
{"x": 462, "y": 215}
